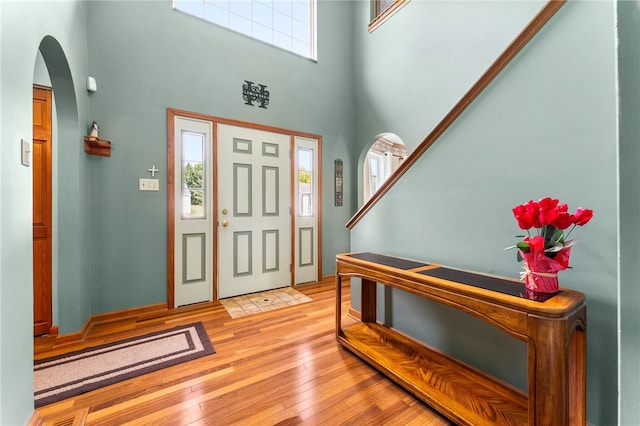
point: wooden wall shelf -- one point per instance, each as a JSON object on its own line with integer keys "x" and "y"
{"x": 97, "y": 146}
{"x": 553, "y": 326}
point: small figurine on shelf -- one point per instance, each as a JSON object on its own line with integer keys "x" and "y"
{"x": 93, "y": 134}
{"x": 94, "y": 145}
{"x": 94, "y": 130}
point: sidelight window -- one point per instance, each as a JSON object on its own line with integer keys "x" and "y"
{"x": 305, "y": 182}
{"x": 193, "y": 172}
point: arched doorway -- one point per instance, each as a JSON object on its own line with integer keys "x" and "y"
{"x": 51, "y": 70}
{"x": 385, "y": 155}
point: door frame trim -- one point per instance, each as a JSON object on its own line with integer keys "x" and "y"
{"x": 171, "y": 114}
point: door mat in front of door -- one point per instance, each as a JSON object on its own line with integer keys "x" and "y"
{"x": 264, "y": 301}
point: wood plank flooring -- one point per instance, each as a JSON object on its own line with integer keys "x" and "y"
{"x": 276, "y": 368}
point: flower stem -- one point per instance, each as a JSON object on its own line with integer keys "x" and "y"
{"x": 567, "y": 235}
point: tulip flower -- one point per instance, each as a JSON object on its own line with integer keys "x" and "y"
{"x": 546, "y": 250}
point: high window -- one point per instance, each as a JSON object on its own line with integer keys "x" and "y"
{"x": 381, "y": 10}
{"x": 288, "y": 24}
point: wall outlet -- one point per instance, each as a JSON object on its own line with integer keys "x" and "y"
{"x": 149, "y": 184}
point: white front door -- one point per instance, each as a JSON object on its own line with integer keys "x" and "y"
{"x": 254, "y": 210}
{"x": 193, "y": 211}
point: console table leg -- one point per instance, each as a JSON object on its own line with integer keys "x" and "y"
{"x": 578, "y": 369}
{"x": 338, "y": 304}
{"x": 368, "y": 290}
{"x": 556, "y": 370}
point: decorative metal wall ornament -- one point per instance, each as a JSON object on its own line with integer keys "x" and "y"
{"x": 251, "y": 94}
{"x": 338, "y": 182}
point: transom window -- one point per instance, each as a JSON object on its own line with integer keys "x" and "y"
{"x": 288, "y": 24}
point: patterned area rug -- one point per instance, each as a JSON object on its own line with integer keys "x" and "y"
{"x": 264, "y": 301}
{"x": 71, "y": 374}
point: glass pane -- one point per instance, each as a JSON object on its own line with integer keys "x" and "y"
{"x": 240, "y": 24}
{"x": 196, "y": 207}
{"x": 263, "y": 33}
{"x": 281, "y": 40}
{"x": 301, "y": 11}
{"x": 282, "y": 6}
{"x": 306, "y": 205}
{"x": 193, "y": 172}
{"x": 189, "y": 6}
{"x": 374, "y": 170}
{"x": 263, "y": 14}
{"x": 282, "y": 24}
{"x": 305, "y": 182}
{"x": 215, "y": 14}
{"x": 300, "y": 48}
{"x": 241, "y": 8}
{"x": 300, "y": 31}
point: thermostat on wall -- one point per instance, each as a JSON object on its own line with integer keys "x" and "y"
{"x": 92, "y": 86}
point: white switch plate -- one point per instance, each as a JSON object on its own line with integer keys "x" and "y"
{"x": 26, "y": 150}
{"x": 149, "y": 184}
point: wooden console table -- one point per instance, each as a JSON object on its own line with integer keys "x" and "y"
{"x": 553, "y": 326}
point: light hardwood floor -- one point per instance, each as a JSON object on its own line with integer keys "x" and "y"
{"x": 276, "y": 368}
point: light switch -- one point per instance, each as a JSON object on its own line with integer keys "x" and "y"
{"x": 26, "y": 150}
{"x": 149, "y": 184}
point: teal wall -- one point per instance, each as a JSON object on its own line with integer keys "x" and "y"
{"x": 547, "y": 126}
{"x": 63, "y": 44}
{"x": 147, "y": 57}
{"x": 4, "y": 343}
{"x": 628, "y": 14}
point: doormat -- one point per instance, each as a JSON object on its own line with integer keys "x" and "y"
{"x": 264, "y": 301}
{"x": 74, "y": 373}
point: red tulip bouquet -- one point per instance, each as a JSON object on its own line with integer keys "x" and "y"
{"x": 546, "y": 250}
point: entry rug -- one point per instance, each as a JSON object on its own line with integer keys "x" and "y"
{"x": 74, "y": 373}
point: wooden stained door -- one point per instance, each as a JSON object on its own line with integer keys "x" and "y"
{"x": 41, "y": 166}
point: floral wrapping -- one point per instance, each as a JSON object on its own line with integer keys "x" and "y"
{"x": 541, "y": 272}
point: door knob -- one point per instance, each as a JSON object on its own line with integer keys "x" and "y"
{"x": 225, "y": 223}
